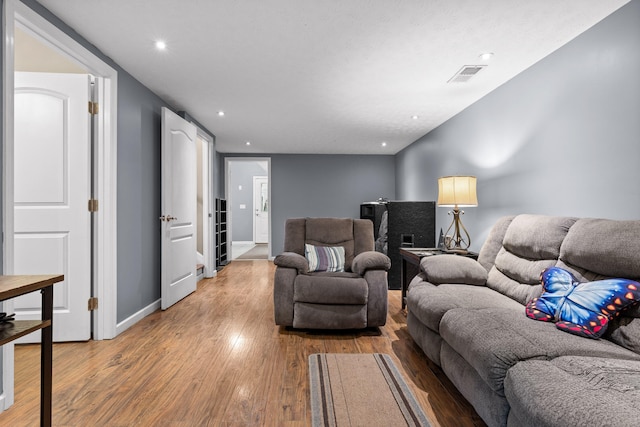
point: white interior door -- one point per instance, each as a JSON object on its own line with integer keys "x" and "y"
{"x": 261, "y": 209}
{"x": 51, "y": 192}
{"x": 178, "y": 208}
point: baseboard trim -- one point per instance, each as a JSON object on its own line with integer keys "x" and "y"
{"x": 3, "y": 403}
{"x": 136, "y": 317}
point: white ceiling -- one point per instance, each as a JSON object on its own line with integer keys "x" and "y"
{"x": 325, "y": 76}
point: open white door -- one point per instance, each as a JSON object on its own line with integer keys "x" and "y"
{"x": 178, "y": 208}
{"x": 52, "y": 228}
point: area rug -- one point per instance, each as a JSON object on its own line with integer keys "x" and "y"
{"x": 360, "y": 390}
{"x": 259, "y": 251}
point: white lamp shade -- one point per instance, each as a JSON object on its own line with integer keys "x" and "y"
{"x": 457, "y": 191}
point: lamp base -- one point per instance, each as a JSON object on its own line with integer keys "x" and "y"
{"x": 458, "y": 242}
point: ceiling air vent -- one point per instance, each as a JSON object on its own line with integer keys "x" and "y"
{"x": 465, "y": 73}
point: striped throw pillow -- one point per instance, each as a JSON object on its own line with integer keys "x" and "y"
{"x": 324, "y": 258}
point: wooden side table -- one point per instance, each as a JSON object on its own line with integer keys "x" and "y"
{"x": 411, "y": 264}
{"x": 14, "y": 286}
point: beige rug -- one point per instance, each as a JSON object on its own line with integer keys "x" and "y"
{"x": 360, "y": 390}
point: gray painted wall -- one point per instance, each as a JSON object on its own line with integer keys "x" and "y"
{"x": 139, "y": 177}
{"x": 323, "y": 186}
{"x": 561, "y": 138}
{"x": 241, "y": 173}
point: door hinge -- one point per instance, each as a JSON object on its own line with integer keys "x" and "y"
{"x": 93, "y": 304}
{"x": 93, "y": 108}
{"x": 93, "y": 205}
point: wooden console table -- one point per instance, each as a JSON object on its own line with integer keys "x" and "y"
{"x": 14, "y": 286}
{"x": 411, "y": 264}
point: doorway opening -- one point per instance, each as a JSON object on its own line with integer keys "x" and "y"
{"x": 205, "y": 243}
{"x": 248, "y": 194}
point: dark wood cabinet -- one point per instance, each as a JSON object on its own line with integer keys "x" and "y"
{"x": 409, "y": 224}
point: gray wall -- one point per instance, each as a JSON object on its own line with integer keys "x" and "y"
{"x": 241, "y": 173}
{"x": 139, "y": 177}
{"x": 138, "y": 184}
{"x": 561, "y": 138}
{"x": 324, "y": 186}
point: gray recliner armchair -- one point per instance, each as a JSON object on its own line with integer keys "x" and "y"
{"x": 351, "y": 299}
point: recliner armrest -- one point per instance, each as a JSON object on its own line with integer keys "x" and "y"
{"x": 292, "y": 260}
{"x": 452, "y": 269}
{"x": 370, "y": 260}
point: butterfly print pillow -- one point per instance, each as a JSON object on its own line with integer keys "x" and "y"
{"x": 583, "y": 309}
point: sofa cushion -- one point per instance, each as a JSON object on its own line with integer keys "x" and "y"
{"x": 332, "y": 232}
{"x": 331, "y": 288}
{"x": 537, "y": 236}
{"x": 453, "y": 269}
{"x": 493, "y": 243}
{"x": 609, "y": 248}
{"x": 517, "y": 278}
{"x": 493, "y": 340}
{"x": 531, "y": 244}
{"x": 429, "y": 302}
{"x": 557, "y": 392}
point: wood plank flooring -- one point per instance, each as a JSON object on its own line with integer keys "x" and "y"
{"x": 216, "y": 359}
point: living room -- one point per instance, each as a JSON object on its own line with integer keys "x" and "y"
{"x": 560, "y": 138}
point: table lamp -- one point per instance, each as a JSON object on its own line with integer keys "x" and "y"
{"x": 456, "y": 192}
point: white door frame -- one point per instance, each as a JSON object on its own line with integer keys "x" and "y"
{"x": 105, "y": 172}
{"x": 227, "y": 190}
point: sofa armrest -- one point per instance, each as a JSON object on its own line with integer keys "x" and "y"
{"x": 452, "y": 269}
{"x": 292, "y": 260}
{"x": 370, "y": 260}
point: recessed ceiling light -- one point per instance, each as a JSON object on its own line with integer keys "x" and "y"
{"x": 221, "y": 113}
{"x": 160, "y": 45}
{"x": 384, "y": 144}
{"x": 248, "y": 143}
{"x": 415, "y": 117}
{"x": 486, "y": 56}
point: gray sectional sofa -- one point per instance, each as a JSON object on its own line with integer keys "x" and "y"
{"x": 469, "y": 318}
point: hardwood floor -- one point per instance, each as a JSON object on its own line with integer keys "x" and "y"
{"x": 216, "y": 359}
